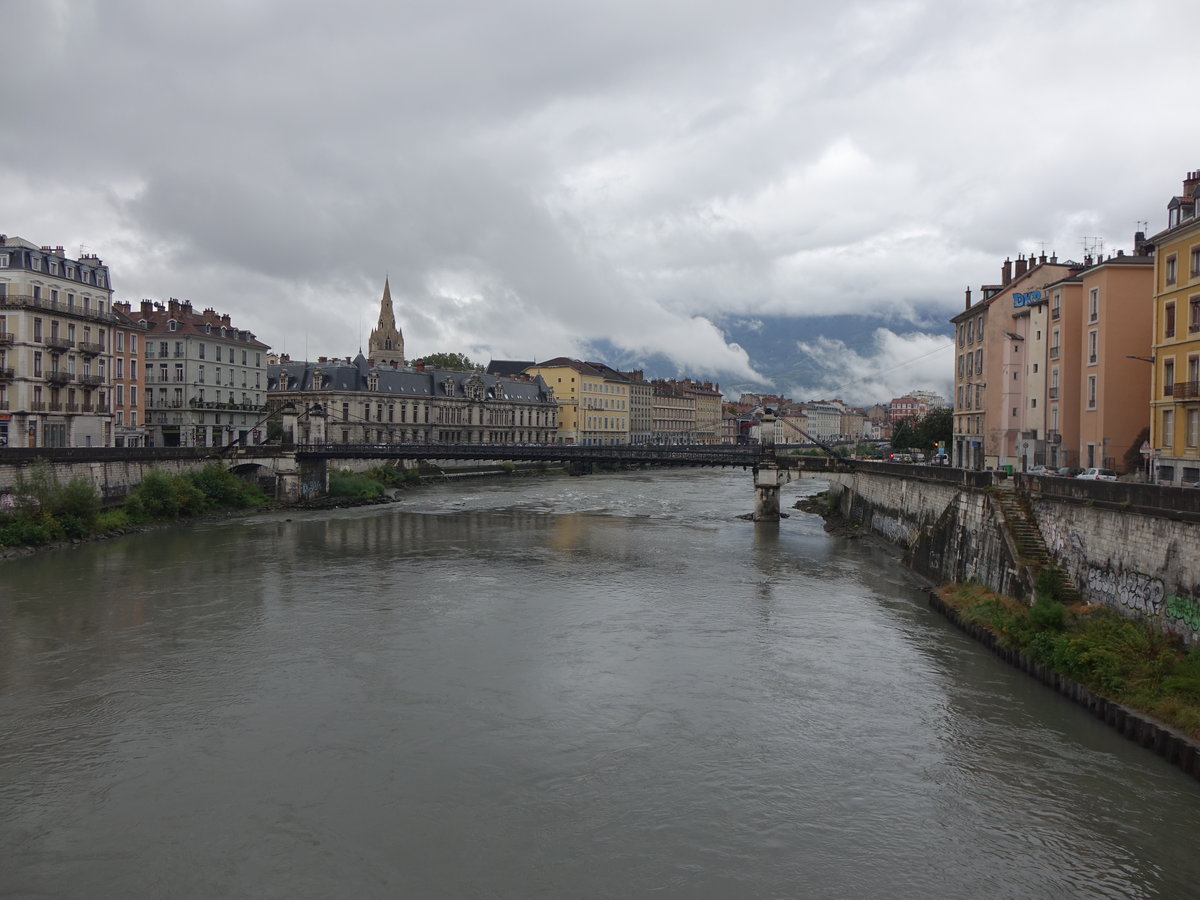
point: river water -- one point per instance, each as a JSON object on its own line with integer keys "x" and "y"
{"x": 600, "y": 687}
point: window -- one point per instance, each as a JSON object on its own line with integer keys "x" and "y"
{"x": 37, "y": 364}
{"x": 132, "y": 398}
{"x": 1195, "y": 270}
{"x": 1168, "y": 377}
{"x": 1193, "y": 315}
{"x": 37, "y": 329}
{"x": 4, "y": 260}
{"x": 1093, "y": 347}
{"x": 979, "y": 360}
{"x": 1193, "y": 427}
{"x": 119, "y": 367}
{"x": 1091, "y": 392}
{"x": 1094, "y": 305}
{"x": 133, "y": 343}
{"x": 1169, "y": 320}
{"x": 119, "y": 394}
{"x": 1056, "y": 305}
{"x": 200, "y": 351}
{"x": 1170, "y": 269}
{"x": 1168, "y": 430}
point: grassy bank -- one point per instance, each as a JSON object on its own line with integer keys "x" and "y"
{"x": 1114, "y": 656}
{"x": 48, "y": 511}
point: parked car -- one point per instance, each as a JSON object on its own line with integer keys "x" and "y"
{"x": 1097, "y": 475}
{"x": 940, "y": 459}
{"x": 1038, "y": 470}
{"x": 1068, "y": 471}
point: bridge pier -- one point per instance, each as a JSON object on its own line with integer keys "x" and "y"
{"x": 768, "y": 478}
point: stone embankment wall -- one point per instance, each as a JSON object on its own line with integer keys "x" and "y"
{"x": 942, "y": 518}
{"x": 1131, "y": 547}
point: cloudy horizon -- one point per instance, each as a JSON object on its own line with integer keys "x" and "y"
{"x": 572, "y": 178}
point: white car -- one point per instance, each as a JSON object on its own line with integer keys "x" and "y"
{"x": 1097, "y": 475}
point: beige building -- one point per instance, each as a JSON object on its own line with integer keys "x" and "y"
{"x": 991, "y": 377}
{"x": 593, "y": 401}
{"x": 56, "y": 324}
{"x": 674, "y": 413}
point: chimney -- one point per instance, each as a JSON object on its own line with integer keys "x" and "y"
{"x": 322, "y": 359}
{"x": 147, "y": 308}
{"x": 1189, "y": 184}
{"x": 1042, "y": 259}
{"x": 1139, "y": 243}
{"x": 225, "y": 320}
{"x": 968, "y": 306}
{"x": 1022, "y": 265}
{"x": 1054, "y": 259}
{"x": 173, "y": 308}
{"x": 1006, "y": 272}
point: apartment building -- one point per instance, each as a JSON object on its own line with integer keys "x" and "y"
{"x": 205, "y": 380}
{"x": 991, "y": 376}
{"x": 1175, "y": 341}
{"x": 125, "y": 373}
{"x": 593, "y": 401}
{"x": 56, "y": 322}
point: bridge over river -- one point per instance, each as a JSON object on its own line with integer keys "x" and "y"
{"x": 301, "y": 470}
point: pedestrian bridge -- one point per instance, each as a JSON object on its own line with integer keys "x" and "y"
{"x": 300, "y": 471}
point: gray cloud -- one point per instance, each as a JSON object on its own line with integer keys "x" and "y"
{"x": 538, "y": 177}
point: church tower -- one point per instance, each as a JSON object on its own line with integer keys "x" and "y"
{"x": 386, "y": 345}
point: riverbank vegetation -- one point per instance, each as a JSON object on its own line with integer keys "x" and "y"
{"x": 1117, "y": 657}
{"x": 48, "y": 510}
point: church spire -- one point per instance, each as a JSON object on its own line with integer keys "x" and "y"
{"x": 386, "y": 344}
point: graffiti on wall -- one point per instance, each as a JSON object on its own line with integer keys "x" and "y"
{"x": 1132, "y": 590}
{"x": 1185, "y": 609}
{"x": 893, "y": 529}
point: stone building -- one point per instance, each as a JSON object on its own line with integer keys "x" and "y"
{"x": 56, "y": 321}
{"x": 205, "y": 380}
{"x": 380, "y": 400}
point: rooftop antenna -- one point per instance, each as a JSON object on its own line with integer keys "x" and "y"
{"x": 1142, "y": 224}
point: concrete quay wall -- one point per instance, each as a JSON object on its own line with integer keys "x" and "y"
{"x": 1133, "y": 548}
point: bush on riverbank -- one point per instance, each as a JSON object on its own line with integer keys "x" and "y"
{"x": 354, "y": 485}
{"x": 1120, "y": 658}
{"x": 48, "y": 510}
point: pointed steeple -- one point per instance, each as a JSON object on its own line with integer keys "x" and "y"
{"x": 386, "y": 344}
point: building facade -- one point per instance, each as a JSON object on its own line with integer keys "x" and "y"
{"x": 1175, "y": 329}
{"x": 56, "y": 323}
{"x": 359, "y": 401}
{"x": 205, "y": 380}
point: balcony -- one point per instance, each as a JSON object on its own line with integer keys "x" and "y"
{"x": 3, "y": 404}
{"x": 59, "y": 377}
{"x": 1053, "y": 437}
{"x": 6, "y": 374}
{"x": 88, "y": 407}
{"x": 38, "y": 405}
{"x": 1169, "y": 389}
{"x": 28, "y": 301}
{"x": 1052, "y": 393}
{"x": 90, "y": 348}
{"x": 72, "y": 407}
{"x": 59, "y": 343}
{"x": 1054, "y": 352}
{"x": 1185, "y": 390}
{"x": 56, "y": 407}
{"x": 6, "y": 337}
{"x": 91, "y": 380}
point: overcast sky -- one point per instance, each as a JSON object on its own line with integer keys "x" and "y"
{"x": 535, "y": 176}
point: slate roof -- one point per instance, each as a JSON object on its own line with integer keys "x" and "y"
{"x": 402, "y": 382}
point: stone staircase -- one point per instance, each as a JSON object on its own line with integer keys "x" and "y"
{"x": 1031, "y": 552}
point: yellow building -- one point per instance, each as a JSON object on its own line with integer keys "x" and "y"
{"x": 593, "y": 401}
{"x": 1175, "y": 387}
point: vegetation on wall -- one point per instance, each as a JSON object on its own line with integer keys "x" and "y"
{"x": 1120, "y": 658}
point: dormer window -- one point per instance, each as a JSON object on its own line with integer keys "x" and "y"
{"x": 172, "y": 325}
{"x": 372, "y": 382}
{"x": 318, "y": 380}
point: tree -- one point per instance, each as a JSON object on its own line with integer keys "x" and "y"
{"x": 903, "y": 435}
{"x": 936, "y": 426}
{"x": 1134, "y": 461}
{"x": 457, "y": 362}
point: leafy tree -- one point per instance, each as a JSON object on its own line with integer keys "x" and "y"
{"x": 903, "y": 435}
{"x": 456, "y": 361}
{"x": 935, "y": 426}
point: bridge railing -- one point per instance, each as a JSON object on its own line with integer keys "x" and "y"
{"x": 685, "y": 454}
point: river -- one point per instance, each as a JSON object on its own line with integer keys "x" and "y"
{"x": 600, "y": 687}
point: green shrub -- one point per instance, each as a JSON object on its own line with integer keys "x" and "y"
{"x": 113, "y": 520}
{"x": 78, "y": 500}
{"x": 153, "y": 498}
{"x": 344, "y": 483}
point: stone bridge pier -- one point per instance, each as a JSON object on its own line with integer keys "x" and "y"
{"x": 768, "y": 478}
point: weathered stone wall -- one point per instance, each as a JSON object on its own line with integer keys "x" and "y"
{"x": 948, "y": 529}
{"x": 1134, "y": 550}
{"x": 1138, "y": 564}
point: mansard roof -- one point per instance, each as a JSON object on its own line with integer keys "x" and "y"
{"x": 340, "y": 375}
